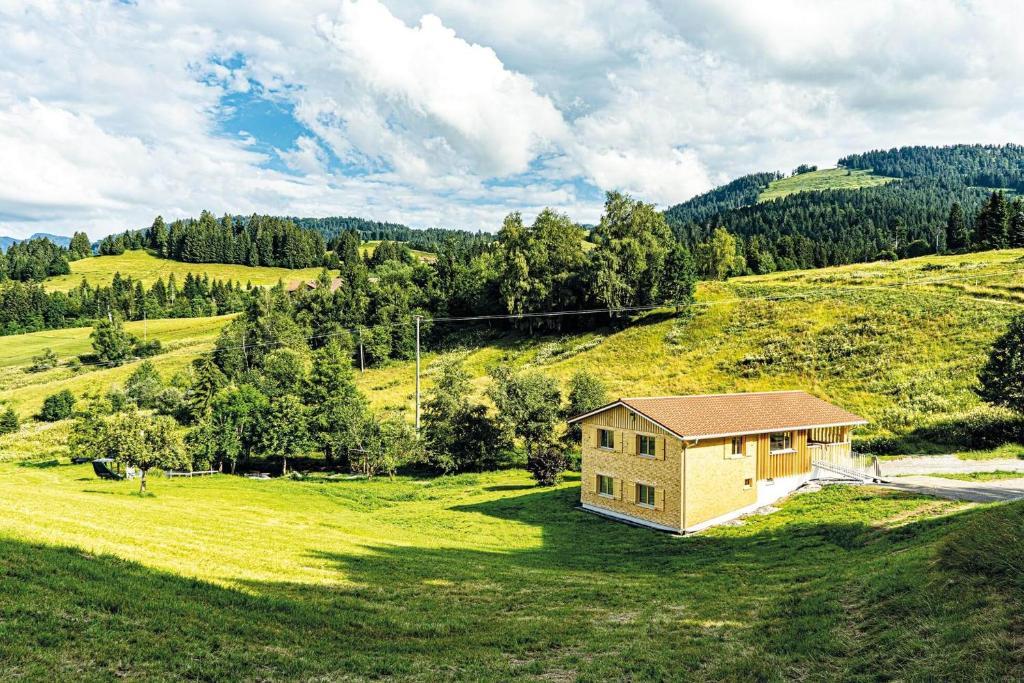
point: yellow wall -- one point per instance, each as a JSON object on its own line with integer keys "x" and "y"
{"x": 715, "y": 479}
{"x": 627, "y": 468}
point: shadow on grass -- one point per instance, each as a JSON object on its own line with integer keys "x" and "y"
{"x": 595, "y": 600}
{"x": 42, "y": 464}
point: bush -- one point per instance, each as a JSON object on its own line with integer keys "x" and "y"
{"x": 546, "y": 464}
{"x": 57, "y": 406}
{"x": 144, "y": 385}
{"x": 9, "y": 422}
{"x": 171, "y": 401}
{"x": 44, "y": 361}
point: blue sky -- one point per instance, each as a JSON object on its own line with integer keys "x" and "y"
{"x": 454, "y": 113}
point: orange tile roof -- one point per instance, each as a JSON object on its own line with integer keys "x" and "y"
{"x": 703, "y": 416}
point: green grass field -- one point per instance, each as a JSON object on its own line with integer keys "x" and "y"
{"x": 367, "y": 248}
{"x": 183, "y": 340}
{"x": 825, "y": 179}
{"x": 478, "y": 578}
{"x": 141, "y": 265}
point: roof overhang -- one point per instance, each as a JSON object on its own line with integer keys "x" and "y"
{"x": 698, "y": 437}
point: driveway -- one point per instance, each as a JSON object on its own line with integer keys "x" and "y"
{"x": 947, "y": 464}
{"x": 955, "y": 489}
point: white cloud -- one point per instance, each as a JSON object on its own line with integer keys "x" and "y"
{"x": 455, "y": 112}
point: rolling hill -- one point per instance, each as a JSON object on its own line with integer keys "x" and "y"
{"x": 872, "y": 203}
{"x": 899, "y": 343}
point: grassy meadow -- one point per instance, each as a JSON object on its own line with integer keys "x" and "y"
{"x": 183, "y": 339}
{"x": 824, "y": 179}
{"x": 899, "y": 343}
{"x": 481, "y": 577}
{"x": 141, "y": 265}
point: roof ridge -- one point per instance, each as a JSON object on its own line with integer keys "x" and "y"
{"x": 734, "y": 393}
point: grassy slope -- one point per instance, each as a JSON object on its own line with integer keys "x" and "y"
{"x": 904, "y": 357}
{"x": 183, "y": 339}
{"x": 825, "y": 179}
{"x": 477, "y": 577}
{"x": 367, "y": 248}
{"x": 140, "y": 265}
{"x": 899, "y": 343}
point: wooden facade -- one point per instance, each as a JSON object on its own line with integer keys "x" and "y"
{"x": 775, "y": 465}
{"x": 693, "y": 482}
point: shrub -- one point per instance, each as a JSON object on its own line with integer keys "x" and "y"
{"x": 546, "y": 464}
{"x": 171, "y": 401}
{"x": 57, "y": 406}
{"x": 144, "y": 385}
{"x": 9, "y": 422}
{"x": 44, "y": 361}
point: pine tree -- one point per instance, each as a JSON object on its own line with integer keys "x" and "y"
{"x": 991, "y": 224}
{"x": 1016, "y": 224}
{"x": 957, "y": 235}
{"x": 158, "y": 236}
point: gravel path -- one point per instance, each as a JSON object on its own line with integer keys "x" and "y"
{"x": 955, "y": 489}
{"x": 948, "y": 464}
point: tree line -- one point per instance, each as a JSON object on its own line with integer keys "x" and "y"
{"x": 298, "y": 396}
{"x": 28, "y": 307}
{"x": 998, "y": 224}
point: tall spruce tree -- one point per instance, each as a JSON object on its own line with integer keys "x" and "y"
{"x": 991, "y": 224}
{"x": 957, "y": 236}
{"x": 1015, "y": 227}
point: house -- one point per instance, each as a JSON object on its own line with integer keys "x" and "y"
{"x": 296, "y": 285}
{"x": 683, "y": 463}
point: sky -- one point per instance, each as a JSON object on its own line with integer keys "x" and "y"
{"x": 454, "y": 113}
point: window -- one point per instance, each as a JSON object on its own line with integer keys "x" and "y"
{"x": 605, "y": 485}
{"x": 782, "y": 442}
{"x": 607, "y": 438}
{"x": 646, "y": 446}
{"x": 748, "y": 483}
{"x": 737, "y": 446}
{"x": 645, "y": 495}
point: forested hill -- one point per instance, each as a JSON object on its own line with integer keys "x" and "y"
{"x": 816, "y": 228}
{"x": 994, "y": 166}
{"x": 741, "y": 192}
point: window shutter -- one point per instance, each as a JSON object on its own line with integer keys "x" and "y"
{"x": 659, "y": 499}
{"x": 630, "y": 491}
{"x": 659, "y": 447}
{"x": 592, "y": 435}
{"x": 617, "y": 488}
{"x": 630, "y": 444}
{"x": 597, "y": 483}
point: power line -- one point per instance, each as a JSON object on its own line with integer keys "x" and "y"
{"x": 625, "y": 309}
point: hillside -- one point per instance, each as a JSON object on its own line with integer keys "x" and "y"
{"x": 825, "y": 179}
{"x": 899, "y": 343}
{"x": 872, "y": 203}
{"x": 141, "y": 265}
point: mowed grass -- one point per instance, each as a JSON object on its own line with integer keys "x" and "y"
{"x": 183, "y": 340}
{"x": 996, "y": 475}
{"x": 477, "y": 578}
{"x": 825, "y": 179}
{"x": 141, "y": 265}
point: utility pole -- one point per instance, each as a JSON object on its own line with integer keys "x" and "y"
{"x": 417, "y": 374}
{"x": 362, "y": 366}
{"x": 145, "y": 325}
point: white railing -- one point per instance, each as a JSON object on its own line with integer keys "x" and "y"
{"x": 840, "y": 458}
